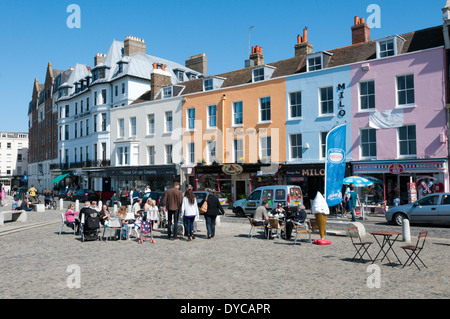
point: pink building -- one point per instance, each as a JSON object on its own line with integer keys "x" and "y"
{"x": 399, "y": 124}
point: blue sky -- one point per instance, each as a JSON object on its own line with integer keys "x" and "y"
{"x": 34, "y": 33}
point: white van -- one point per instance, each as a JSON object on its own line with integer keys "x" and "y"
{"x": 289, "y": 195}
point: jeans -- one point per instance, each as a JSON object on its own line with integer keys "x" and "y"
{"x": 189, "y": 225}
{"x": 172, "y": 214}
{"x": 353, "y": 215}
{"x": 210, "y": 225}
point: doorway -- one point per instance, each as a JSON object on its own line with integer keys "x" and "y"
{"x": 240, "y": 189}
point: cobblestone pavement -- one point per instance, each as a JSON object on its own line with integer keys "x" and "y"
{"x": 38, "y": 262}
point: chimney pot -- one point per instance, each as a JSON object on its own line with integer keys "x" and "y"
{"x": 305, "y": 35}
{"x": 360, "y": 31}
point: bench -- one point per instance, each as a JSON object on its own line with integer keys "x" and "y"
{"x": 16, "y": 215}
{"x": 361, "y": 229}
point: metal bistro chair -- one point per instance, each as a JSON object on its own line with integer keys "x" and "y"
{"x": 414, "y": 251}
{"x": 301, "y": 229}
{"x": 359, "y": 245}
{"x": 253, "y": 227}
{"x": 274, "y": 224}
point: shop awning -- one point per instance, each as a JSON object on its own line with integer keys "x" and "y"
{"x": 59, "y": 178}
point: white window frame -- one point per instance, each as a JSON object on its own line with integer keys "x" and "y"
{"x": 382, "y": 54}
{"x": 258, "y": 74}
{"x": 168, "y": 124}
{"x": 314, "y": 67}
{"x": 366, "y": 96}
{"x": 189, "y": 119}
{"x": 297, "y": 105}
{"x": 300, "y": 147}
{"x": 121, "y": 127}
{"x": 327, "y": 101}
{"x": 235, "y": 113}
{"x": 261, "y": 120}
{"x": 190, "y": 152}
{"x": 151, "y": 155}
{"x": 323, "y": 144}
{"x": 265, "y": 150}
{"x": 210, "y": 116}
{"x": 397, "y": 91}
{"x": 133, "y": 129}
{"x": 407, "y": 140}
{"x": 238, "y": 152}
{"x": 167, "y": 92}
{"x": 208, "y": 84}
{"x": 150, "y": 124}
{"x": 368, "y": 143}
{"x": 168, "y": 153}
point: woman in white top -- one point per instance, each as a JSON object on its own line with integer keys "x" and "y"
{"x": 152, "y": 211}
{"x": 189, "y": 210}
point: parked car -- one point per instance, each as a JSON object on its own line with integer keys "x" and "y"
{"x": 430, "y": 209}
{"x": 66, "y": 194}
{"x": 201, "y": 195}
{"x": 157, "y": 196}
{"x": 290, "y": 196}
{"x": 85, "y": 195}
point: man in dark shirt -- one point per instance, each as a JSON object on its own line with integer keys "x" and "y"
{"x": 172, "y": 202}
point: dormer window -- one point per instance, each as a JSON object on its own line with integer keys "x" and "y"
{"x": 191, "y": 76}
{"x": 179, "y": 74}
{"x": 317, "y": 61}
{"x": 258, "y": 75}
{"x": 120, "y": 67}
{"x": 208, "y": 84}
{"x": 386, "y": 48}
{"x": 389, "y": 46}
{"x": 262, "y": 73}
{"x": 212, "y": 83}
{"x": 167, "y": 92}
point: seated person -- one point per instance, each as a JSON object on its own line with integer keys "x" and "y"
{"x": 24, "y": 206}
{"x": 71, "y": 221}
{"x": 298, "y": 217}
{"x": 261, "y": 217}
{"x": 278, "y": 210}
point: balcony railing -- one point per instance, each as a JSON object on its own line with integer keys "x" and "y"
{"x": 83, "y": 164}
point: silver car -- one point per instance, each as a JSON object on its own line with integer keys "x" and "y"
{"x": 430, "y": 209}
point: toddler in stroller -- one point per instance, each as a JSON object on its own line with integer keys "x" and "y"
{"x": 144, "y": 227}
{"x": 90, "y": 224}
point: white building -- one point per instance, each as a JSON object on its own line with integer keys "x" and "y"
{"x": 13, "y": 158}
{"x": 86, "y": 99}
{"x": 146, "y": 141}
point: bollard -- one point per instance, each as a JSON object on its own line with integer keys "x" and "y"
{"x": 100, "y": 204}
{"x": 115, "y": 209}
{"x": 406, "y": 231}
{"x": 77, "y": 205}
{"x": 61, "y": 204}
{"x": 218, "y": 220}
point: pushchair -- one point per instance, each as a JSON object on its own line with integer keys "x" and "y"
{"x": 90, "y": 226}
{"x": 146, "y": 231}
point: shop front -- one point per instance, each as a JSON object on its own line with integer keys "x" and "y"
{"x": 414, "y": 178}
{"x": 236, "y": 181}
{"x": 158, "y": 177}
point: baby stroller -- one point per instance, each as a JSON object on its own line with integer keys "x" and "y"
{"x": 90, "y": 226}
{"x": 146, "y": 231}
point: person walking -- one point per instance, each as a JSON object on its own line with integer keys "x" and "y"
{"x": 214, "y": 209}
{"x": 354, "y": 199}
{"x": 172, "y": 203}
{"x": 189, "y": 210}
{"x": 2, "y": 196}
{"x": 32, "y": 192}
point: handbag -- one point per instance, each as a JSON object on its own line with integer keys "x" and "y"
{"x": 204, "y": 207}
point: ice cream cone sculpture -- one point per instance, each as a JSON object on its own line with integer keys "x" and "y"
{"x": 320, "y": 210}
{"x": 321, "y": 223}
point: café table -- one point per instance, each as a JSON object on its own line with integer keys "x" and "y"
{"x": 386, "y": 241}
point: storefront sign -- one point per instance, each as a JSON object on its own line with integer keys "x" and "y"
{"x": 396, "y": 168}
{"x": 232, "y": 169}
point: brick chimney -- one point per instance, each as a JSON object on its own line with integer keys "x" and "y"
{"x": 257, "y": 55}
{"x": 159, "y": 78}
{"x": 198, "y": 63}
{"x": 133, "y": 45}
{"x": 303, "y": 47}
{"x": 99, "y": 58}
{"x": 360, "y": 31}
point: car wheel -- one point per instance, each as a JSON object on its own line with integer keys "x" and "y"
{"x": 398, "y": 219}
{"x": 239, "y": 212}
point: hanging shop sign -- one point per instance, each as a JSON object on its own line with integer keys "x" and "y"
{"x": 232, "y": 169}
